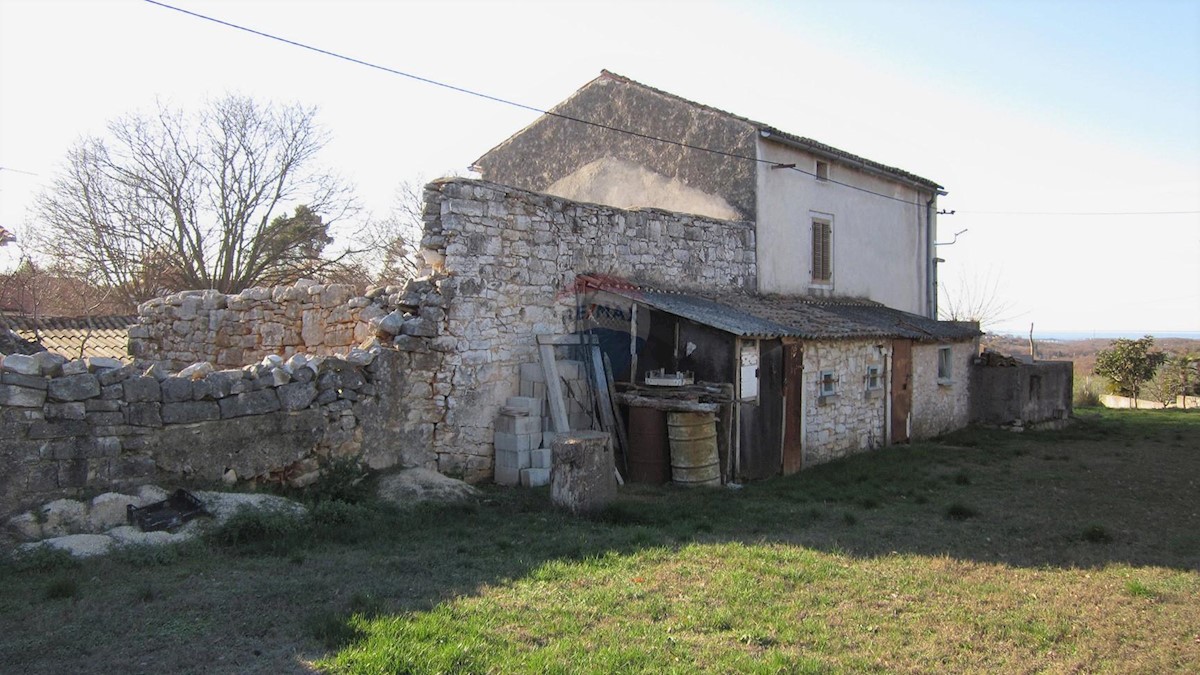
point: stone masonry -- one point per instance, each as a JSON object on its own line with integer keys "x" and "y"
{"x": 852, "y": 419}
{"x": 510, "y": 260}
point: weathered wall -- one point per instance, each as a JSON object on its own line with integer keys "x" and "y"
{"x": 941, "y": 406}
{"x": 1027, "y": 393}
{"x": 232, "y": 330}
{"x": 511, "y": 258}
{"x": 854, "y": 419}
{"x": 95, "y": 424}
{"x": 879, "y": 245}
{"x": 556, "y": 150}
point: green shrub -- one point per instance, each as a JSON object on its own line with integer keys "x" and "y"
{"x": 61, "y": 588}
{"x": 258, "y": 532}
{"x": 342, "y": 480}
{"x": 41, "y": 559}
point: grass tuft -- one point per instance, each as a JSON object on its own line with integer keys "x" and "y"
{"x": 959, "y": 511}
{"x": 1139, "y": 590}
{"x": 1096, "y": 534}
{"x": 62, "y": 588}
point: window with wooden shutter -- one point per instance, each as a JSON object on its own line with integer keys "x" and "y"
{"x": 822, "y": 251}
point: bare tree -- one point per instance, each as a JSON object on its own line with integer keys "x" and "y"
{"x": 975, "y": 297}
{"x": 171, "y": 201}
{"x": 388, "y": 246}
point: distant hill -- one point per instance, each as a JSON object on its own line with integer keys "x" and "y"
{"x": 1082, "y": 352}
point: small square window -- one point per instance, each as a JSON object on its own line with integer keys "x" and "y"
{"x": 945, "y": 364}
{"x": 828, "y": 383}
{"x": 822, "y": 171}
{"x": 874, "y": 381}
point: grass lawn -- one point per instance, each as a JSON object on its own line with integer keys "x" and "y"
{"x": 989, "y": 551}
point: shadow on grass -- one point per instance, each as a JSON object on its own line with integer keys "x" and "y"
{"x": 1115, "y": 488}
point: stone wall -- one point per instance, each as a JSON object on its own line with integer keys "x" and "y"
{"x": 854, "y": 418}
{"x": 229, "y": 331}
{"x": 1023, "y": 394}
{"x": 75, "y": 426}
{"x": 510, "y": 260}
{"x": 941, "y": 406}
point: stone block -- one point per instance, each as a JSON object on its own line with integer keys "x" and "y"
{"x": 74, "y": 367}
{"x": 31, "y": 381}
{"x": 101, "y": 405}
{"x": 112, "y": 392}
{"x": 139, "y": 389}
{"x": 20, "y": 364}
{"x": 63, "y": 516}
{"x": 540, "y": 458}
{"x": 249, "y": 403}
{"x": 187, "y": 412}
{"x": 250, "y": 445}
{"x": 75, "y": 410}
{"x": 97, "y": 447}
{"x": 107, "y": 377}
{"x": 420, "y": 327}
{"x": 176, "y": 389}
{"x": 535, "y": 477}
{"x": 296, "y": 395}
{"x": 96, "y": 364}
{"x": 50, "y": 363}
{"x": 61, "y": 429}
{"x": 509, "y": 424}
{"x": 106, "y": 418}
{"x": 107, "y": 511}
{"x": 515, "y": 442}
{"x": 73, "y": 387}
{"x": 144, "y": 414}
{"x": 21, "y": 397}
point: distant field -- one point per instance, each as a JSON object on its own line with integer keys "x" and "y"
{"x": 1071, "y": 551}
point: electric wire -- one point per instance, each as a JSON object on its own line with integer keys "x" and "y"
{"x": 515, "y": 104}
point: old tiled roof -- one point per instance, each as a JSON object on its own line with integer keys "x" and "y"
{"x": 773, "y": 316}
{"x": 75, "y": 336}
{"x": 766, "y": 131}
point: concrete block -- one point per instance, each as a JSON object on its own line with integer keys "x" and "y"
{"x": 570, "y": 370}
{"x": 506, "y": 476}
{"x": 515, "y": 442}
{"x": 535, "y": 477}
{"x": 518, "y": 425}
{"x": 540, "y": 458}
{"x": 530, "y": 405}
{"x": 519, "y": 459}
{"x": 548, "y": 438}
{"x": 532, "y": 372}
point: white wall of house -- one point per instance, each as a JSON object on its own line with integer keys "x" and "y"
{"x": 941, "y": 404}
{"x": 879, "y": 245}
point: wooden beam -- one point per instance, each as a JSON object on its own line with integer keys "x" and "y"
{"x": 558, "y": 407}
{"x": 567, "y": 340}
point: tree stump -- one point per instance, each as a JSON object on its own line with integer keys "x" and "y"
{"x": 582, "y": 479}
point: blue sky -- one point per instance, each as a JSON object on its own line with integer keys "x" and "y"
{"x": 1013, "y": 106}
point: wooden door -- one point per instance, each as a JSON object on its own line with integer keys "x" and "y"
{"x": 901, "y": 393}
{"x": 793, "y": 413}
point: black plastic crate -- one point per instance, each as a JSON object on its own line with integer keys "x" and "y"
{"x": 168, "y": 514}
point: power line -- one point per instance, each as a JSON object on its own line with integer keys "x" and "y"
{"x": 1080, "y": 213}
{"x": 515, "y": 104}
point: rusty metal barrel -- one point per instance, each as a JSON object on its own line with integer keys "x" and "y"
{"x": 649, "y": 454}
{"x": 694, "y": 458}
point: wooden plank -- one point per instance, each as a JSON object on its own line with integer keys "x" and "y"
{"x": 622, "y": 436}
{"x": 603, "y": 402}
{"x": 667, "y": 404}
{"x": 573, "y": 339}
{"x": 558, "y": 406}
{"x": 793, "y": 403}
{"x": 901, "y": 393}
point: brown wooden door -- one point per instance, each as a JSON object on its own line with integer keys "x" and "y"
{"x": 793, "y": 413}
{"x": 901, "y": 393}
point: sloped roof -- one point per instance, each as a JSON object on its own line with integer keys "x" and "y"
{"x": 765, "y": 130}
{"x": 75, "y": 336}
{"x": 773, "y": 316}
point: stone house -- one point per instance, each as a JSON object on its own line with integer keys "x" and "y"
{"x": 827, "y": 223}
{"x": 828, "y": 332}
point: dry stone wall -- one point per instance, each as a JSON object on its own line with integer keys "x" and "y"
{"x": 510, "y": 260}
{"x": 71, "y": 426}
